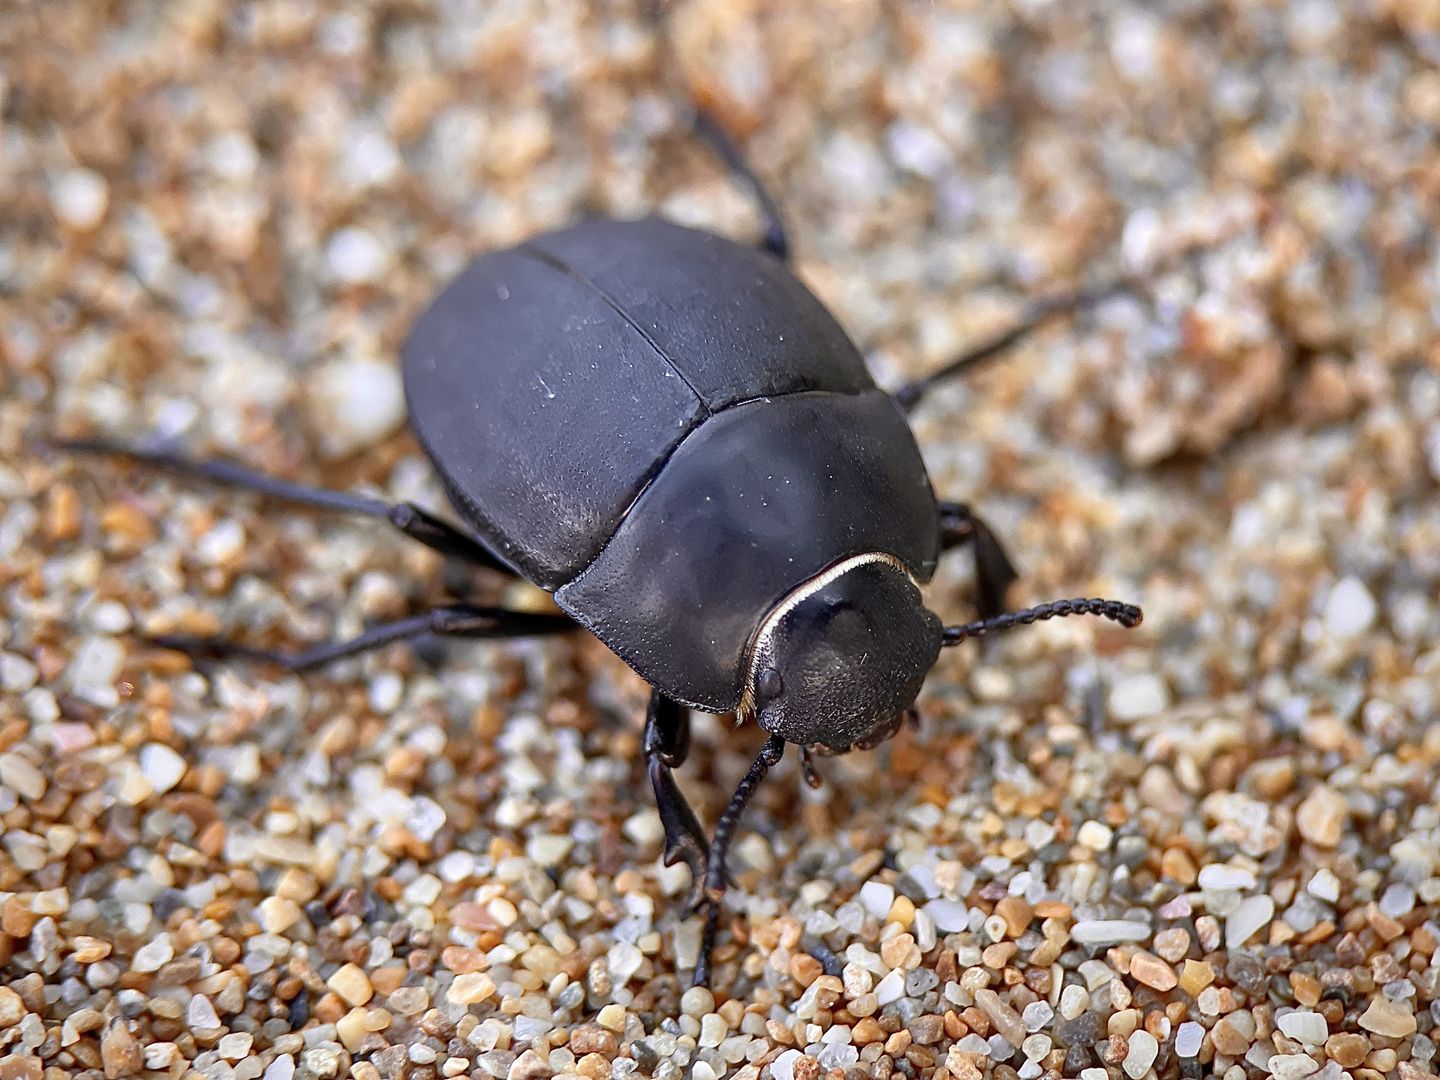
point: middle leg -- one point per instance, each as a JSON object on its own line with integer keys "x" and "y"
{"x": 454, "y": 620}
{"x": 993, "y": 570}
{"x": 909, "y": 395}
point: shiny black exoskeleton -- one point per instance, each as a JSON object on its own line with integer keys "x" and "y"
{"x": 670, "y": 433}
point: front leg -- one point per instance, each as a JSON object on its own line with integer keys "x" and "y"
{"x": 715, "y": 874}
{"x": 993, "y": 570}
{"x": 667, "y": 742}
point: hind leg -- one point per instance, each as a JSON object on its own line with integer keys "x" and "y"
{"x": 709, "y": 129}
{"x": 407, "y": 517}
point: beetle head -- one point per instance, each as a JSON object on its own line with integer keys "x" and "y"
{"x": 839, "y": 661}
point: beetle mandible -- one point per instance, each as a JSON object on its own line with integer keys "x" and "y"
{"x": 669, "y": 432}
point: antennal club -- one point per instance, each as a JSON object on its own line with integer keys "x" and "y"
{"x": 1127, "y": 615}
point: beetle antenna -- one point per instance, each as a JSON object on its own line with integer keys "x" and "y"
{"x": 1127, "y": 615}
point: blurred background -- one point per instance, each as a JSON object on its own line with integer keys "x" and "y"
{"x": 217, "y": 221}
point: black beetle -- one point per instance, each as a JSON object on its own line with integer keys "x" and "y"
{"x": 668, "y": 431}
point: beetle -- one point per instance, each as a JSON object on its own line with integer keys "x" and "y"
{"x": 670, "y": 433}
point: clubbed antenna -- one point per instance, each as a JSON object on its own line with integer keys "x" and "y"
{"x": 1127, "y": 615}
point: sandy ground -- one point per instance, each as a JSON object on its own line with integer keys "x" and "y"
{"x": 1206, "y": 846}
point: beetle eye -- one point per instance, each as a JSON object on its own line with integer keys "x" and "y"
{"x": 769, "y": 684}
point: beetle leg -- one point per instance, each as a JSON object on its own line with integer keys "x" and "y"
{"x": 709, "y": 129}
{"x": 993, "y": 569}
{"x": 909, "y": 395}
{"x": 707, "y": 945}
{"x": 456, "y": 620}
{"x": 667, "y": 742}
{"x": 715, "y": 874}
{"x": 414, "y": 522}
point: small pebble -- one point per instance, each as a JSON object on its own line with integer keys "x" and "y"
{"x": 16, "y": 673}
{"x": 79, "y": 198}
{"x": 1007, "y": 1022}
{"x": 1325, "y": 885}
{"x": 1037, "y": 1015}
{"x": 1398, "y": 900}
{"x": 1094, "y": 835}
{"x": 1350, "y": 609}
{"x": 1141, "y": 1054}
{"x": 161, "y": 766}
{"x": 1234, "y": 1033}
{"x": 12, "y": 1007}
{"x": 1347, "y": 1049}
{"x": 612, "y": 1016}
{"x": 357, "y": 402}
{"x": 1108, "y": 931}
{"x": 351, "y": 984}
{"x": 891, "y": 988}
{"x": 153, "y": 955}
{"x": 877, "y": 898}
{"x": 235, "y": 1046}
{"x": 1219, "y": 876}
{"x": 1188, "y": 1037}
{"x": 1321, "y": 817}
{"x": 355, "y": 255}
{"x": 1172, "y": 944}
{"x": 623, "y": 961}
{"x": 1152, "y": 971}
{"x": 1138, "y": 697}
{"x": 1195, "y": 976}
{"x": 111, "y": 617}
{"x": 1253, "y": 913}
{"x": 951, "y": 916}
{"x": 21, "y": 777}
{"x": 201, "y": 1015}
{"x": 1074, "y": 1000}
{"x": 697, "y": 1001}
{"x": 278, "y": 914}
{"x": 1305, "y": 1026}
{"x": 1292, "y": 1066}
{"x": 1392, "y": 1019}
{"x": 1035, "y": 1047}
{"x": 161, "y": 1055}
{"x": 471, "y": 988}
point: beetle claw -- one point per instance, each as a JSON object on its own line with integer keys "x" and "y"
{"x": 684, "y": 839}
{"x": 694, "y": 857}
{"x": 697, "y": 898}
